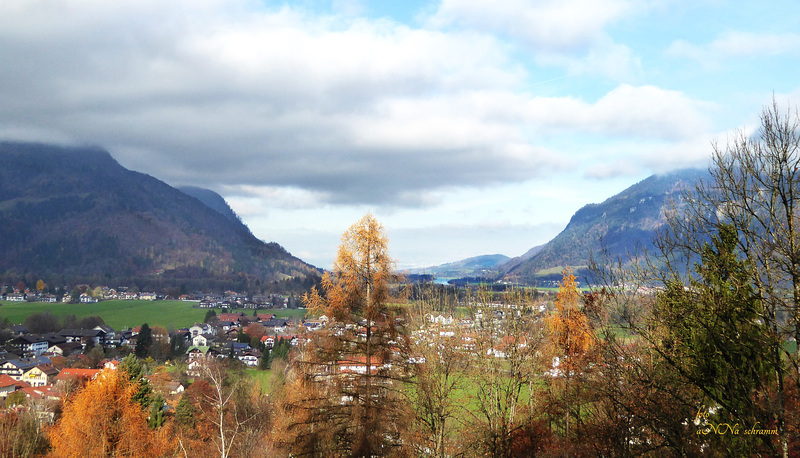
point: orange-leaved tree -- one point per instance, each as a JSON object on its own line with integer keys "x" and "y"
{"x": 569, "y": 327}
{"x": 572, "y": 345}
{"x": 102, "y": 419}
{"x": 345, "y": 396}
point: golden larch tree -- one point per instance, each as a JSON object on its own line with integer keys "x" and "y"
{"x": 346, "y": 397}
{"x": 103, "y": 420}
{"x": 572, "y": 344}
{"x": 569, "y": 327}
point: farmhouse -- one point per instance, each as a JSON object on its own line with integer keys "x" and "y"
{"x": 81, "y": 375}
{"x": 201, "y": 328}
{"x": 7, "y": 385}
{"x": 196, "y": 356}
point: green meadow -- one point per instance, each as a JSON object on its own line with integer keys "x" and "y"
{"x": 121, "y": 314}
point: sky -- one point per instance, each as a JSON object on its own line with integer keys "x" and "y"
{"x": 467, "y": 127}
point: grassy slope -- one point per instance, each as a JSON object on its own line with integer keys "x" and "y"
{"x": 126, "y": 314}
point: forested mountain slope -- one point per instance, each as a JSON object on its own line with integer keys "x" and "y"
{"x": 74, "y": 213}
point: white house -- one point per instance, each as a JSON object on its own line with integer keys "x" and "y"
{"x": 202, "y": 340}
{"x": 201, "y": 328}
{"x": 30, "y": 345}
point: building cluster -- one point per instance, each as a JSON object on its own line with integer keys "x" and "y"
{"x": 100, "y": 293}
{"x": 229, "y": 299}
{"x": 34, "y": 363}
{"x": 481, "y": 334}
{"x": 221, "y": 337}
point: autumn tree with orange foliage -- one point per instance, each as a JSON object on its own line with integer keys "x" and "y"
{"x": 345, "y": 396}
{"x": 569, "y": 328}
{"x": 103, "y": 420}
{"x": 572, "y": 345}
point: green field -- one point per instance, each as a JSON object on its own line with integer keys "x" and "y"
{"x": 266, "y": 381}
{"x": 121, "y": 314}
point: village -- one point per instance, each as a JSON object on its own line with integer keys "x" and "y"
{"x": 44, "y": 366}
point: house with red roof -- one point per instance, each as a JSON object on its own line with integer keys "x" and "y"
{"x": 232, "y": 317}
{"x": 41, "y": 392}
{"x": 358, "y": 365}
{"x": 81, "y": 375}
{"x": 7, "y": 385}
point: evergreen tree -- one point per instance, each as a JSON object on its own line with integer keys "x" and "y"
{"x": 185, "y": 412}
{"x": 265, "y": 363}
{"x": 156, "y": 418}
{"x": 132, "y": 370}
{"x": 714, "y": 337}
{"x": 176, "y": 346}
{"x": 143, "y": 341}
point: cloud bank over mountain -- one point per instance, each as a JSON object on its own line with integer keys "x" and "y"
{"x": 352, "y": 105}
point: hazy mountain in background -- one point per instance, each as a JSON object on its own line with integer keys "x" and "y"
{"x": 619, "y": 225}
{"x": 478, "y": 266}
{"x": 514, "y": 262}
{"x": 74, "y": 214}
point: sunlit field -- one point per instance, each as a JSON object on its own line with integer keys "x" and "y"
{"x": 121, "y": 314}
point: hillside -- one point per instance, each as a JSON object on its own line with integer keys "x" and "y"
{"x": 619, "y": 225}
{"x": 74, "y": 214}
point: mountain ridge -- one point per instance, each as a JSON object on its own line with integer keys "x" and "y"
{"x": 617, "y": 226}
{"x": 73, "y": 212}
{"x": 214, "y": 201}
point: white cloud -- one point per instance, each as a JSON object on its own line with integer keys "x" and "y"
{"x": 737, "y": 44}
{"x": 252, "y": 200}
{"x": 548, "y": 25}
{"x": 569, "y": 34}
{"x": 630, "y": 111}
{"x": 611, "y": 169}
{"x": 612, "y": 60}
{"x": 349, "y": 7}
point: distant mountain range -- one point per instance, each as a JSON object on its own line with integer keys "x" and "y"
{"x": 478, "y": 266}
{"x": 73, "y": 214}
{"x": 70, "y": 214}
{"x": 619, "y": 226}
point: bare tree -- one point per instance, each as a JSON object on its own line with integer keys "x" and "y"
{"x": 231, "y": 413}
{"x": 442, "y": 355}
{"x": 506, "y": 369}
{"x": 755, "y": 189}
